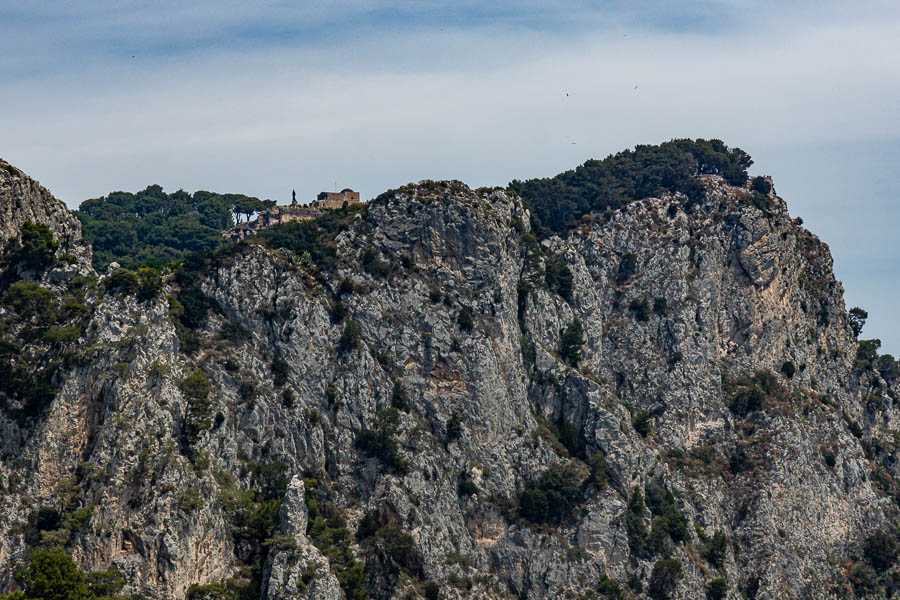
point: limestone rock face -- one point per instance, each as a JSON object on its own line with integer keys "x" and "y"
{"x": 407, "y": 390}
{"x": 24, "y": 199}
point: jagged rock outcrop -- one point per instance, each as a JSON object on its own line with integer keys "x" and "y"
{"x": 24, "y": 199}
{"x": 391, "y": 405}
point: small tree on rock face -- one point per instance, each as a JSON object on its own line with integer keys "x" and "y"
{"x": 665, "y": 576}
{"x": 572, "y": 342}
{"x": 857, "y": 318}
{"x": 52, "y": 575}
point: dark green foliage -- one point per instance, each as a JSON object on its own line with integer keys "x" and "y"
{"x": 857, "y": 318}
{"x": 234, "y": 332}
{"x": 627, "y": 267}
{"x": 104, "y": 584}
{"x": 569, "y": 436}
{"x": 529, "y": 352}
{"x": 664, "y": 578}
{"x": 196, "y": 306}
{"x": 558, "y": 276}
{"x": 787, "y": 367}
{"x": 465, "y": 320}
{"x": 635, "y": 526}
{"x": 660, "y": 306}
{"x": 47, "y": 518}
{"x": 761, "y": 184}
{"x": 830, "y": 458}
{"x": 866, "y": 354}
{"x": 374, "y": 265}
{"x": 748, "y": 394}
{"x": 390, "y": 542}
{"x": 280, "y": 371}
{"x": 34, "y": 250}
{"x": 640, "y": 308}
{"x": 29, "y": 299}
{"x": 198, "y": 416}
{"x": 315, "y": 237}
{"x": 599, "y": 470}
{"x": 715, "y": 550}
{"x": 853, "y": 427}
{"x": 454, "y": 426}
{"x": 668, "y": 520}
{"x": 122, "y": 281}
{"x": 609, "y": 588}
{"x": 432, "y": 591}
{"x": 338, "y": 311}
{"x": 378, "y": 442}
{"x": 399, "y": 397}
{"x": 597, "y": 185}
{"x": 571, "y": 343}
{"x": 641, "y": 423}
{"x": 149, "y": 283}
{"x": 551, "y": 497}
{"x": 717, "y": 589}
{"x": 350, "y": 337}
{"x": 152, "y": 228}
{"x": 327, "y": 529}
{"x": 467, "y": 487}
{"x": 888, "y": 368}
{"x": 52, "y": 575}
{"x": 880, "y": 550}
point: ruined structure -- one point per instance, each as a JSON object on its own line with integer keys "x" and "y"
{"x": 293, "y": 212}
{"x": 332, "y": 200}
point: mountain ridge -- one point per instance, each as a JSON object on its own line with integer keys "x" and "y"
{"x": 447, "y": 407}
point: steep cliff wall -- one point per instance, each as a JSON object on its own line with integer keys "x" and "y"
{"x": 385, "y": 422}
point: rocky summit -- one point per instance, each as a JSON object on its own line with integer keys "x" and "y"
{"x": 425, "y": 397}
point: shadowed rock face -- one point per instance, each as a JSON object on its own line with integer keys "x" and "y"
{"x": 427, "y": 492}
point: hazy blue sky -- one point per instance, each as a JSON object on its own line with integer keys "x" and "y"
{"x": 266, "y": 97}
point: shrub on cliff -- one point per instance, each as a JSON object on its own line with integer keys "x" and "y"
{"x": 571, "y": 343}
{"x": 559, "y": 202}
{"x": 550, "y": 498}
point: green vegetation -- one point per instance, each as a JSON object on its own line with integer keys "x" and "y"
{"x": 51, "y": 574}
{"x": 788, "y": 368}
{"x": 715, "y": 549}
{"x": 152, "y": 228}
{"x": 34, "y": 250}
{"x": 350, "y": 337}
{"x": 559, "y": 202}
{"x": 558, "y": 276}
{"x": 750, "y": 393}
{"x": 571, "y": 342}
{"x": 198, "y": 415}
{"x": 664, "y": 578}
{"x": 50, "y": 323}
{"x": 880, "y": 550}
{"x": 314, "y": 237}
{"x": 252, "y": 517}
{"x": 641, "y": 423}
{"x": 327, "y": 529}
{"x": 609, "y": 588}
{"x": 857, "y": 318}
{"x": 627, "y": 267}
{"x": 668, "y": 522}
{"x": 551, "y": 497}
{"x": 717, "y": 589}
{"x": 640, "y": 308}
{"x": 635, "y": 526}
{"x": 379, "y": 441}
{"x": 465, "y": 320}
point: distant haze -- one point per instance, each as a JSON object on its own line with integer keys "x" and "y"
{"x": 263, "y": 98}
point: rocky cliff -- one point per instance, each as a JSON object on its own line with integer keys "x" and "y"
{"x": 663, "y": 402}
